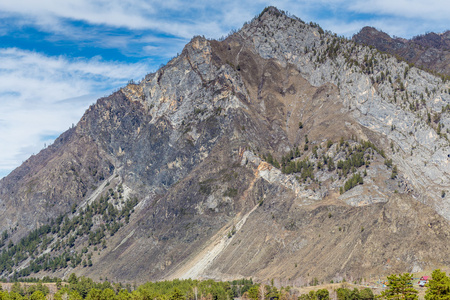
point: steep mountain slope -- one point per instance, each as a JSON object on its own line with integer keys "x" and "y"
{"x": 282, "y": 151}
{"x": 430, "y": 51}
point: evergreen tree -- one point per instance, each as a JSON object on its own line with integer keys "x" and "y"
{"x": 94, "y": 294}
{"x": 177, "y": 295}
{"x": 17, "y": 288}
{"x": 438, "y": 286}
{"x": 253, "y": 292}
{"x": 14, "y": 295}
{"x": 73, "y": 279}
{"x": 366, "y": 294}
{"x": 65, "y": 293}
{"x": 108, "y": 294}
{"x": 123, "y": 295}
{"x": 354, "y": 295}
{"x": 310, "y": 296}
{"x": 400, "y": 287}
{"x": 37, "y": 295}
{"x": 322, "y": 294}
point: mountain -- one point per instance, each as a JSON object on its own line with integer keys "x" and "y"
{"x": 430, "y": 51}
{"x": 281, "y": 152}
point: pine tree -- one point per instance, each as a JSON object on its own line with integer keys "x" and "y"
{"x": 322, "y": 294}
{"x": 37, "y": 295}
{"x": 400, "y": 287}
{"x": 177, "y": 295}
{"x": 73, "y": 279}
{"x": 438, "y": 286}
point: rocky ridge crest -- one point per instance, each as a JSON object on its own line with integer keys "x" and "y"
{"x": 430, "y": 51}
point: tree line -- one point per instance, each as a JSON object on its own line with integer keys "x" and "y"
{"x": 77, "y": 288}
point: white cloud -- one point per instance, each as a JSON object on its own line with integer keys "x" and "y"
{"x": 159, "y": 16}
{"x": 418, "y": 9}
{"x": 404, "y": 18}
{"x": 32, "y": 87}
{"x": 210, "y": 18}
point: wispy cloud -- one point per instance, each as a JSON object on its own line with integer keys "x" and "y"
{"x": 159, "y": 16}
{"x": 33, "y": 76}
{"x": 404, "y": 18}
{"x": 32, "y": 86}
{"x": 210, "y": 18}
{"x": 418, "y": 9}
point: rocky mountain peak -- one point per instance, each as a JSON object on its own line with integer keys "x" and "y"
{"x": 281, "y": 149}
{"x": 369, "y": 35}
{"x": 271, "y": 10}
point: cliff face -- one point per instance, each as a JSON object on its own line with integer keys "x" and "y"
{"x": 430, "y": 51}
{"x": 278, "y": 152}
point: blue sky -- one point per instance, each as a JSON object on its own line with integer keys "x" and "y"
{"x": 58, "y": 57}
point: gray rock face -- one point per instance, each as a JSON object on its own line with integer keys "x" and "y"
{"x": 166, "y": 91}
{"x": 422, "y": 154}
